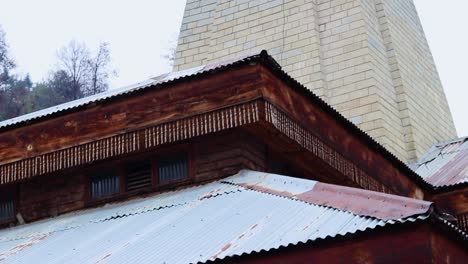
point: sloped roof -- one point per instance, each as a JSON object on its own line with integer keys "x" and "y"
{"x": 445, "y": 164}
{"x": 200, "y": 71}
{"x": 113, "y": 93}
{"x": 248, "y": 212}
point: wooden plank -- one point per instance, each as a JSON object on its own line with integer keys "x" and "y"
{"x": 335, "y": 135}
{"x": 151, "y": 107}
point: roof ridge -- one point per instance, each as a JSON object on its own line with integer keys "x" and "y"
{"x": 385, "y": 206}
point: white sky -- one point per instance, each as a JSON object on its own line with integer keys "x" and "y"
{"x": 140, "y": 33}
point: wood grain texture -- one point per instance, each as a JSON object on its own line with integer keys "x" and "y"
{"x": 335, "y": 135}
{"x": 213, "y": 157}
{"x": 197, "y": 97}
{"x": 155, "y": 105}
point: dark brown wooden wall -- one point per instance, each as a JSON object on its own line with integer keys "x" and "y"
{"x": 204, "y": 94}
{"x": 214, "y": 156}
{"x": 155, "y": 106}
{"x": 51, "y": 195}
{"x": 227, "y": 153}
{"x": 201, "y": 95}
{"x": 454, "y": 202}
{"x": 337, "y": 136}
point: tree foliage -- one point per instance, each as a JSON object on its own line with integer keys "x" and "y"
{"x": 78, "y": 73}
{"x": 6, "y": 62}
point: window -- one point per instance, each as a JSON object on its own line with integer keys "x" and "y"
{"x": 282, "y": 166}
{"x": 138, "y": 175}
{"x": 172, "y": 168}
{"x": 277, "y": 167}
{"x": 104, "y": 183}
{"x": 7, "y": 209}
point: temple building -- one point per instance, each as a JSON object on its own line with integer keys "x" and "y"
{"x": 369, "y": 59}
{"x": 228, "y": 162}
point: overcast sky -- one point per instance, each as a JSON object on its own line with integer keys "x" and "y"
{"x": 140, "y": 33}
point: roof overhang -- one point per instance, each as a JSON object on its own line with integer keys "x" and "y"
{"x": 203, "y": 100}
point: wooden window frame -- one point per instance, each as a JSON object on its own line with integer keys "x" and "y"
{"x": 10, "y": 191}
{"x": 181, "y": 149}
{"x": 288, "y": 165}
{"x": 152, "y": 158}
{"x": 95, "y": 171}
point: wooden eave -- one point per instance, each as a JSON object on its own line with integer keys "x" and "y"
{"x": 239, "y": 94}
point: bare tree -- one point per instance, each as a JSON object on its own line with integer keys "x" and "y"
{"x": 88, "y": 74}
{"x": 6, "y": 62}
{"x": 99, "y": 70}
{"x": 169, "y": 54}
{"x": 74, "y": 61}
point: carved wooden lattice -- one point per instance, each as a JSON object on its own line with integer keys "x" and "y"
{"x": 201, "y": 124}
{"x": 306, "y": 139}
{"x": 462, "y": 222}
{"x": 183, "y": 129}
{"x": 131, "y": 142}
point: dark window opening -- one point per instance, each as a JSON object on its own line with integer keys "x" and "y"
{"x": 283, "y": 167}
{"x": 104, "y": 184}
{"x": 172, "y": 168}
{"x": 138, "y": 175}
{"x": 7, "y": 209}
{"x": 278, "y": 167}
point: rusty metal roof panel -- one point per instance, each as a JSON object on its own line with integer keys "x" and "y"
{"x": 362, "y": 202}
{"x": 202, "y": 223}
{"x": 445, "y": 164}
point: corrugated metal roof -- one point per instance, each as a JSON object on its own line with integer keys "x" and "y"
{"x": 262, "y": 57}
{"x": 358, "y": 201}
{"x": 197, "y": 224}
{"x": 445, "y": 164}
{"x": 164, "y": 78}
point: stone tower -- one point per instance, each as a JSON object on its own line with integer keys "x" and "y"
{"x": 369, "y": 59}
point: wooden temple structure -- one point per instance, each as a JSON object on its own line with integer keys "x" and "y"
{"x": 203, "y": 125}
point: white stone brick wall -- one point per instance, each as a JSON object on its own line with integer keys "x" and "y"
{"x": 423, "y": 107}
{"x": 367, "y": 58}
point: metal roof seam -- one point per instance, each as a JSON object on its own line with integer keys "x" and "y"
{"x": 316, "y": 240}
{"x": 444, "y": 164}
{"x": 39, "y": 234}
{"x": 216, "y": 221}
{"x": 117, "y": 216}
{"x": 401, "y": 220}
{"x": 158, "y": 208}
{"x": 105, "y": 219}
{"x": 321, "y": 238}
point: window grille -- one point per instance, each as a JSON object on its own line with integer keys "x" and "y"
{"x": 104, "y": 184}
{"x": 7, "y": 209}
{"x": 172, "y": 168}
{"x": 138, "y": 176}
